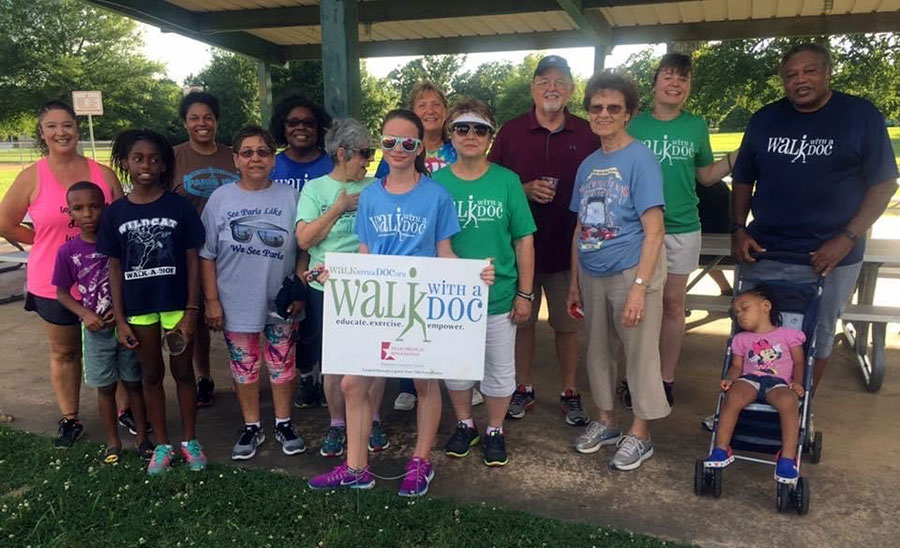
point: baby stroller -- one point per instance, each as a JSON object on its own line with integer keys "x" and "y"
{"x": 758, "y": 429}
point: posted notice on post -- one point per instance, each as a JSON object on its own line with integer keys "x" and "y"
{"x": 407, "y": 317}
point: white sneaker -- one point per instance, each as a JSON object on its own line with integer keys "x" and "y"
{"x": 405, "y": 402}
{"x": 477, "y": 398}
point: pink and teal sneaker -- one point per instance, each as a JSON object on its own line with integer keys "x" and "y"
{"x": 193, "y": 455}
{"x": 161, "y": 459}
{"x": 343, "y": 476}
{"x": 419, "y": 473}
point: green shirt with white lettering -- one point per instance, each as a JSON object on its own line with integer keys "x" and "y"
{"x": 317, "y": 197}
{"x": 681, "y": 146}
{"x": 493, "y": 212}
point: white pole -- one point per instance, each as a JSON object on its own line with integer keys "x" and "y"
{"x": 91, "y": 129}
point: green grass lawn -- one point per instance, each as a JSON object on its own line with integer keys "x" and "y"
{"x": 51, "y": 497}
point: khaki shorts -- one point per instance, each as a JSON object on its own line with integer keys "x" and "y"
{"x": 556, "y": 287}
{"x": 683, "y": 252}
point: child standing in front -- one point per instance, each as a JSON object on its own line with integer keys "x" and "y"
{"x": 106, "y": 361}
{"x": 152, "y": 237}
{"x": 766, "y": 367}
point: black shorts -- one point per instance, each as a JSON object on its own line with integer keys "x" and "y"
{"x": 50, "y": 310}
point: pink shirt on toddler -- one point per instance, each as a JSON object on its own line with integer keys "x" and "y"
{"x": 768, "y": 353}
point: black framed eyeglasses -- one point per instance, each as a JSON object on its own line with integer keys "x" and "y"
{"x": 308, "y": 123}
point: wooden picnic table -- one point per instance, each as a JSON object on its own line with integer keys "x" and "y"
{"x": 864, "y": 323}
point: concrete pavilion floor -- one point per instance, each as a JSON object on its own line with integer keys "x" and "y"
{"x": 853, "y": 489}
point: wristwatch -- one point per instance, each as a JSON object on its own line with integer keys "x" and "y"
{"x": 736, "y": 226}
{"x": 640, "y": 281}
{"x": 527, "y": 296}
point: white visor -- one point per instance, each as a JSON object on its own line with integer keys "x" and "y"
{"x": 471, "y": 118}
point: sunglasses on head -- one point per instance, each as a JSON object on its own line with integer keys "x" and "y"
{"x": 407, "y": 144}
{"x": 249, "y": 152}
{"x": 611, "y": 109}
{"x": 480, "y": 130}
{"x": 308, "y": 123}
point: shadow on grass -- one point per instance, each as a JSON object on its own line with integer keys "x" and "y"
{"x": 51, "y": 497}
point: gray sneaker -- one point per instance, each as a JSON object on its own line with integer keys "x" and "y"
{"x": 631, "y": 453}
{"x": 597, "y": 434}
{"x": 291, "y": 443}
{"x": 570, "y": 403}
{"x": 245, "y": 448}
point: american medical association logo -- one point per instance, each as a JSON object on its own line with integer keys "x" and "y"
{"x": 386, "y": 355}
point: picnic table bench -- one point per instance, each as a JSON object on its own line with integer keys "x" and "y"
{"x": 864, "y": 323}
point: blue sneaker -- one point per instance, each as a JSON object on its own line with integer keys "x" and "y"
{"x": 719, "y": 458}
{"x": 786, "y": 470}
{"x": 335, "y": 442}
{"x": 378, "y": 439}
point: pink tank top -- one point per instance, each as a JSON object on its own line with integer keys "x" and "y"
{"x": 52, "y": 226}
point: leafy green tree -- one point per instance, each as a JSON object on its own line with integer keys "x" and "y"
{"x": 439, "y": 69}
{"x": 487, "y": 82}
{"x": 378, "y": 97}
{"x": 48, "y": 48}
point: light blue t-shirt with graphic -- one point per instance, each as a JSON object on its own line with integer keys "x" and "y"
{"x": 611, "y": 193}
{"x": 409, "y": 224}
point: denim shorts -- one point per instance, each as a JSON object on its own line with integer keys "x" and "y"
{"x": 763, "y": 384}
{"x": 106, "y": 360}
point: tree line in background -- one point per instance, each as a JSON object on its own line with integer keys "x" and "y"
{"x": 50, "y": 47}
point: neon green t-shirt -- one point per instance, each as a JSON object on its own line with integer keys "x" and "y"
{"x": 681, "y": 146}
{"x": 492, "y": 212}
{"x": 317, "y": 197}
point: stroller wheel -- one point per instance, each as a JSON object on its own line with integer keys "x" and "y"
{"x": 716, "y": 481}
{"x": 815, "y": 451}
{"x": 801, "y": 496}
{"x": 699, "y": 478}
{"x": 783, "y": 497}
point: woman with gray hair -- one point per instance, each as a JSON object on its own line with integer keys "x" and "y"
{"x": 326, "y": 221}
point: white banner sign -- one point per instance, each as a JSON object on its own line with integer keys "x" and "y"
{"x": 87, "y": 102}
{"x": 409, "y": 317}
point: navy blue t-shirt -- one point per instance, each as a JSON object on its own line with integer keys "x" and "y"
{"x": 812, "y": 170}
{"x": 296, "y": 174}
{"x": 150, "y": 241}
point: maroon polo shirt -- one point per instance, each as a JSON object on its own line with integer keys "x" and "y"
{"x": 532, "y": 151}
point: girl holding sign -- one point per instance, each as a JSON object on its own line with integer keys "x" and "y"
{"x": 405, "y": 193}
{"x": 496, "y": 222}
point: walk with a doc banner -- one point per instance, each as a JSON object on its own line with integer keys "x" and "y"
{"x": 410, "y": 317}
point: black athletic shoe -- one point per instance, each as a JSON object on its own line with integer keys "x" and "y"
{"x": 669, "y": 387}
{"x": 69, "y": 432}
{"x": 495, "y": 449}
{"x": 126, "y": 420}
{"x": 145, "y": 450}
{"x": 459, "y": 443}
{"x": 307, "y": 393}
{"x": 205, "y": 390}
{"x": 625, "y": 395}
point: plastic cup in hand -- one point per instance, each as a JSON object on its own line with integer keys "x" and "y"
{"x": 552, "y": 180}
{"x": 174, "y": 343}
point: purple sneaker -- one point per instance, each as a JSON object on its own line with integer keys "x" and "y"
{"x": 342, "y": 476}
{"x": 419, "y": 473}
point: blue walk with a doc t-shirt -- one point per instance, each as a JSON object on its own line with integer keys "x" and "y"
{"x": 812, "y": 170}
{"x": 408, "y": 224}
{"x": 297, "y": 174}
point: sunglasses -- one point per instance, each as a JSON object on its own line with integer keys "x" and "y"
{"x": 249, "y": 152}
{"x": 611, "y": 109}
{"x": 366, "y": 153}
{"x": 308, "y": 123}
{"x": 271, "y": 236}
{"x": 480, "y": 130}
{"x": 407, "y": 144}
